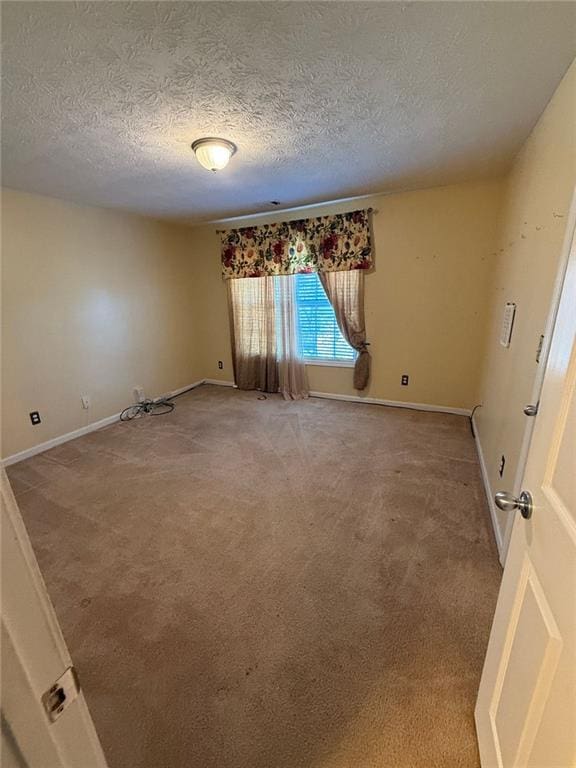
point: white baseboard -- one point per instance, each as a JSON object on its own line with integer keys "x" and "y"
{"x": 45, "y": 446}
{"x": 41, "y": 447}
{"x": 394, "y": 403}
{"x": 181, "y": 390}
{"x": 489, "y": 495}
{"x": 219, "y": 383}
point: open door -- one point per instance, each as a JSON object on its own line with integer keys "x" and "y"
{"x": 45, "y": 720}
{"x": 526, "y": 707}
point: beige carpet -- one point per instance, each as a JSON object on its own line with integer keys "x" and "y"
{"x": 253, "y": 583}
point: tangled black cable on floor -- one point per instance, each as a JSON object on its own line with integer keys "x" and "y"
{"x": 153, "y": 407}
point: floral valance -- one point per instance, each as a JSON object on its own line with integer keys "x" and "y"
{"x": 325, "y": 244}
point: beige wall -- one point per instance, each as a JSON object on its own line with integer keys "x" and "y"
{"x": 94, "y": 302}
{"x": 531, "y": 230}
{"x": 425, "y": 300}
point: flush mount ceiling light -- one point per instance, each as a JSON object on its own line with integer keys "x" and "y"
{"x": 213, "y": 154}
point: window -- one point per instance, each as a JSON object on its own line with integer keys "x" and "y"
{"x": 320, "y": 337}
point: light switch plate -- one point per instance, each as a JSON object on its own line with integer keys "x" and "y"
{"x": 507, "y": 323}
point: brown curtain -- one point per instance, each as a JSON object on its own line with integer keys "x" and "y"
{"x": 345, "y": 291}
{"x": 253, "y": 332}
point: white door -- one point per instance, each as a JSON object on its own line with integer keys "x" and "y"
{"x": 526, "y": 707}
{"x": 34, "y": 656}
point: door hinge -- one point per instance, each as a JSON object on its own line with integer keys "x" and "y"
{"x": 60, "y": 695}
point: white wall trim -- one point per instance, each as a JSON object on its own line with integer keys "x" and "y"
{"x": 489, "y": 495}
{"x": 45, "y": 446}
{"x": 311, "y": 362}
{"x": 394, "y": 403}
{"x": 181, "y": 390}
{"x": 357, "y": 200}
{"x": 219, "y": 383}
{"x": 41, "y": 447}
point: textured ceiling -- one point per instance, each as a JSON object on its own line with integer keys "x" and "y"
{"x": 324, "y": 100}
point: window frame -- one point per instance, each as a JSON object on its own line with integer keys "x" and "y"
{"x": 333, "y": 362}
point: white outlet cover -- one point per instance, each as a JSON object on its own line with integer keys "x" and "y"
{"x": 139, "y": 395}
{"x": 85, "y": 401}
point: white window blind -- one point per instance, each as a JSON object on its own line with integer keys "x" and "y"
{"x": 320, "y": 337}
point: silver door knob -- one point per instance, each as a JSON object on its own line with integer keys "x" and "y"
{"x": 531, "y": 410}
{"x": 508, "y": 503}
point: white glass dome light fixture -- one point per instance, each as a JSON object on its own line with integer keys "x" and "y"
{"x": 212, "y": 153}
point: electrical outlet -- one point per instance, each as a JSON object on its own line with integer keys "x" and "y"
{"x": 502, "y": 465}
{"x": 139, "y": 395}
{"x": 35, "y": 417}
{"x": 85, "y": 399}
{"x": 220, "y": 364}
{"x": 404, "y": 380}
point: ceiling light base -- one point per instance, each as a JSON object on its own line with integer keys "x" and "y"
{"x": 213, "y": 153}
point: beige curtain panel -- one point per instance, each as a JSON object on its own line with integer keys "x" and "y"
{"x": 293, "y": 382}
{"x": 253, "y": 332}
{"x": 265, "y": 348}
{"x": 345, "y": 291}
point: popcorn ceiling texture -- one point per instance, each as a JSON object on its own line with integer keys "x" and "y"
{"x": 324, "y": 100}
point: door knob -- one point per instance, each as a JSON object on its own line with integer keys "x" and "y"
{"x": 508, "y": 503}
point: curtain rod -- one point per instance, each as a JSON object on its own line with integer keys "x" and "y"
{"x": 253, "y": 226}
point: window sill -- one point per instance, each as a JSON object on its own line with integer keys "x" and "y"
{"x": 330, "y": 363}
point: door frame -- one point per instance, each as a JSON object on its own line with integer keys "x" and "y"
{"x": 569, "y": 235}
